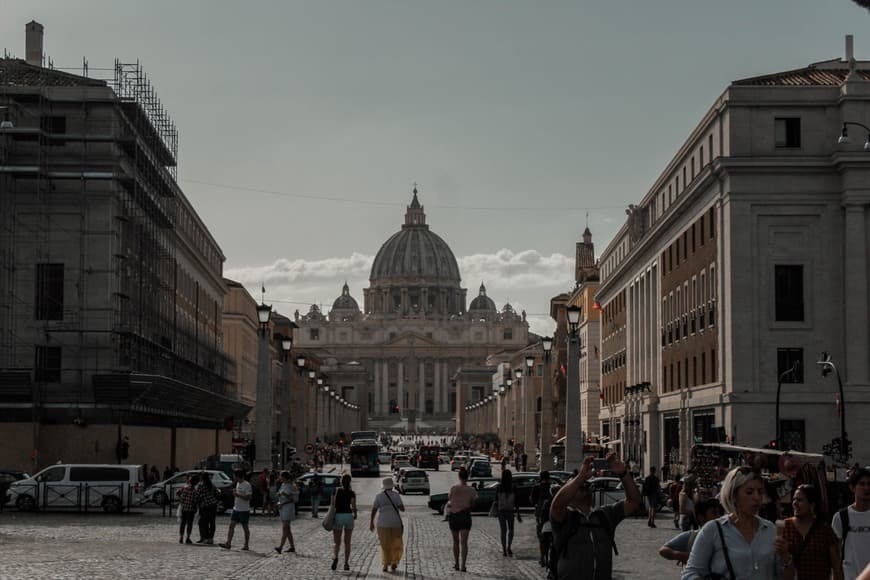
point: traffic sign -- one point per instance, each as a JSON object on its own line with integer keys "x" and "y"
{"x": 309, "y": 449}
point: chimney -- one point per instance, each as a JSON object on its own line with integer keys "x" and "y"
{"x": 850, "y": 51}
{"x": 33, "y": 43}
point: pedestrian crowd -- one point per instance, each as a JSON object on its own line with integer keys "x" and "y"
{"x": 733, "y": 534}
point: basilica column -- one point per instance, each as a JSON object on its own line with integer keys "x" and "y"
{"x": 377, "y": 377}
{"x": 421, "y": 390}
{"x": 436, "y": 387}
{"x": 400, "y": 387}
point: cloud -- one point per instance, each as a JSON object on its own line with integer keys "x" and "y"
{"x": 526, "y": 278}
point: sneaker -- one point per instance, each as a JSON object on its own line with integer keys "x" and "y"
{"x": 245, "y": 548}
{"x": 187, "y": 541}
{"x": 346, "y": 566}
{"x": 225, "y": 546}
{"x": 291, "y": 549}
{"x": 201, "y": 541}
{"x": 334, "y": 563}
{"x": 278, "y": 549}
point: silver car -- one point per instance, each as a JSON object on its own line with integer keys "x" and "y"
{"x": 157, "y": 492}
{"x": 413, "y": 480}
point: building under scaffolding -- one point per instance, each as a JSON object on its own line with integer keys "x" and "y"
{"x": 111, "y": 287}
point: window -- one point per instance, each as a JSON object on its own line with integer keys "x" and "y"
{"x": 685, "y": 245}
{"x": 48, "y": 303}
{"x": 677, "y": 186}
{"x": 508, "y": 333}
{"x": 693, "y": 238}
{"x": 685, "y": 181}
{"x": 788, "y": 359}
{"x": 703, "y": 368}
{"x": 702, "y": 230}
{"x": 47, "y": 364}
{"x": 53, "y": 124}
{"x": 789, "y": 292}
{"x": 694, "y": 370}
{"x": 52, "y": 474}
{"x": 792, "y": 433}
{"x": 702, "y": 155}
{"x": 788, "y": 132}
{"x": 693, "y": 167}
{"x": 314, "y": 333}
{"x": 710, "y": 145}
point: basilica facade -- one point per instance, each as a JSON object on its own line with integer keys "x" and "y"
{"x": 413, "y": 333}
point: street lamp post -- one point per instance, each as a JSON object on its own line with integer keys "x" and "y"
{"x": 263, "y": 427}
{"x": 286, "y": 345}
{"x": 573, "y": 429}
{"x": 528, "y": 438}
{"x": 840, "y": 447}
{"x": 546, "y": 407}
{"x": 517, "y": 392}
{"x": 844, "y": 134}
{"x": 315, "y": 423}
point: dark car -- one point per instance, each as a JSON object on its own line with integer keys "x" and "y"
{"x": 480, "y": 468}
{"x": 7, "y": 476}
{"x": 485, "y": 495}
{"x": 427, "y": 457}
{"x": 330, "y": 484}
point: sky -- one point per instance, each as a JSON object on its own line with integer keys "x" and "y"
{"x": 304, "y": 125}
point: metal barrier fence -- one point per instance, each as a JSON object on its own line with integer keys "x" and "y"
{"x": 82, "y": 497}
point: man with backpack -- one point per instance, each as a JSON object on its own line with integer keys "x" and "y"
{"x": 583, "y": 536}
{"x": 852, "y": 526}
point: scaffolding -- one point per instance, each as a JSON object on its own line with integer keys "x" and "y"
{"x": 88, "y": 181}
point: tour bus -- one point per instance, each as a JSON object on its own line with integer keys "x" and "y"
{"x": 363, "y": 458}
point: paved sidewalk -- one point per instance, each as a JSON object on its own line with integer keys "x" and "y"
{"x": 145, "y": 545}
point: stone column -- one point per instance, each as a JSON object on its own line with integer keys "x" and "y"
{"x": 385, "y": 387}
{"x": 421, "y": 390}
{"x": 376, "y": 371}
{"x": 400, "y": 387}
{"x": 856, "y": 294}
{"x": 436, "y": 387}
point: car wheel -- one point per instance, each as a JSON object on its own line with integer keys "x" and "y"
{"x": 112, "y": 504}
{"x": 159, "y": 498}
{"x": 25, "y": 503}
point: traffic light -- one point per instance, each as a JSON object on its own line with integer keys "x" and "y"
{"x": 772, "y": 444}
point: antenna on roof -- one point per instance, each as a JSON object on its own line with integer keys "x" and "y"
{"x": 84, "y": 66}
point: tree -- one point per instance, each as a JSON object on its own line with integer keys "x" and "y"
{"x": 862, "y": 3}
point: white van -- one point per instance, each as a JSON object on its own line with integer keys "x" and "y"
{"x": 79, "y": 486}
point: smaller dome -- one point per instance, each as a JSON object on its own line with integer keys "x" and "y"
{"x": 482, "y": 302}
{"x": 345, "y": 301}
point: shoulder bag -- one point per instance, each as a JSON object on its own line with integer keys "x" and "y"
{"x": 401, "y": 523}
{"x": 714, "y": 576}
{"x": 329, "y": 520}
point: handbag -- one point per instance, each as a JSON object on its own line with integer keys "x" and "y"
{"x": 329, "y": 520}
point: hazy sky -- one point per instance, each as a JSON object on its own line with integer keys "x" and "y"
{"x": 303, "y": 125}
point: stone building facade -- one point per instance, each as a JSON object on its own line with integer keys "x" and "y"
{"x": 748, "y": 254}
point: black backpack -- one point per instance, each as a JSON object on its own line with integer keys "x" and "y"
{"x": 844, "y": 523}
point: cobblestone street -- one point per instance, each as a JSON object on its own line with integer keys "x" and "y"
{"x": 145, "y": 545}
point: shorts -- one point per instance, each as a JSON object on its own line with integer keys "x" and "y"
{"x": 287, "y": 512}
{"x": 240, "y": 517}
{"x": 343, "y": 522}
{"x": 460, "y": 521}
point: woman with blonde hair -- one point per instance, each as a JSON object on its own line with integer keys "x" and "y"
{"x": 740, "y": 544}
{"x": 389, "y": 525}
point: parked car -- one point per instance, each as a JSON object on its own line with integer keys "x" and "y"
{"x": 80, "y": 486}
{"x": 330, "y": 484}
{"x": 7, "y": 476}
{"x": 443, "y": 458}
{"x": 385, "y": 457}
{"x": 161, "y": 493}
{"x": 413, "y": 480}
